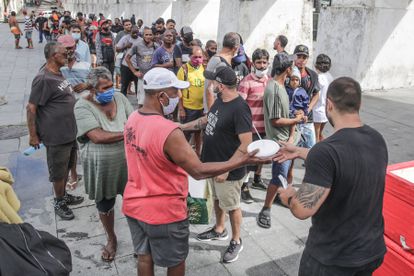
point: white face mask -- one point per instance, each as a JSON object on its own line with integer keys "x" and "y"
{"x": 172, "y": 104}
{"x": 260, "y": 73}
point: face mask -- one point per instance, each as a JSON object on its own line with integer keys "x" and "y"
{"x": 105, "y": 29}
{"x": 106, "y": 96}
{"x": 196, "y": 61}
{"x": 76, "y": 36}
{"x": 172, "y": 104}
{"x": 188, "y": 38}
{"x": 260, "y": 73}
{"x": 210, "y": 53}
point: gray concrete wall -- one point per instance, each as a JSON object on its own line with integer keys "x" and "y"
{"x": 14, "y": 5}
{"x": 370, "y": 41}
{"x": 259, "y": 21}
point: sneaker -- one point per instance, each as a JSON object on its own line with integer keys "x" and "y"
{"x": 72, "y": 199}
{"x": 246, "y": 196}
{"x": 259, "y": 184}
{"x": 232, "y": 252}
{"x": 63, "y": 211}
{"x": 211, "y": 235}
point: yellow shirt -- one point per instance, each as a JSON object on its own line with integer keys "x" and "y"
{"x": 193, "y": 96}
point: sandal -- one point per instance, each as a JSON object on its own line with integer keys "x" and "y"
{"x": 264, "y": 220}
{"x": 110, "y": 257}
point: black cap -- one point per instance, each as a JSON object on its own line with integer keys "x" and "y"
{"x": 222, "y": 74}
{"x": 301, "y": 50}
{"x": 281, "y": 62}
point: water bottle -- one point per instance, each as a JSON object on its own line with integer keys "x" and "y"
{"x": 31, "y": 149}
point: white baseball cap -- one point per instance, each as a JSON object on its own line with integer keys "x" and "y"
{"x": 159, "y": 78}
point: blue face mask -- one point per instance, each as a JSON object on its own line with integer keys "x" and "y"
{"x": 76, "y": 36}
{"x": 106, "y": 96}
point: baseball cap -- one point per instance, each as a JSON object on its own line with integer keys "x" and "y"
{"x": 301, "y": 50}
{"x": 296, "y": 73}
{"x": 186, "y": 30}
{"x": 222, "y": 74}
{"x": 281, "y": 62}
{"x": 159, "y": 78}
{"x": 66, "y": 40}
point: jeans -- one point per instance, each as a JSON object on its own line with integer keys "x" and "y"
{"x": 309, "y": 266}
{"x": 40, "y": 36}
{"x": 279, "y": 169}
{"x": 307, "y": 131}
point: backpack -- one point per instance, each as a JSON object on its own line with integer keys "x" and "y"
{"x": 27, "y": 251}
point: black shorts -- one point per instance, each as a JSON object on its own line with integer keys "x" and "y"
{"x": 192, "y": 115}
{"x": 309, "y": 266}
{"x": 60, "y": 159}
{"x": 166, "y": 243}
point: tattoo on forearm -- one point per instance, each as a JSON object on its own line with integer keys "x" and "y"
{"x": 308, "y": 195}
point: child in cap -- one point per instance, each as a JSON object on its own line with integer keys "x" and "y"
{"x": 298, "y": 98}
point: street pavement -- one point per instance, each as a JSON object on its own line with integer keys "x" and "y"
{"x": 274, "y": 251}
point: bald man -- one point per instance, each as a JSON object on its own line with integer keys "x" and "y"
{"x": 191, "y": 103}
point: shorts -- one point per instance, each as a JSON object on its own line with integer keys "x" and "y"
{"x": 307, "y": 132}
{"x": 279, "y": 169}
{"x": 309, "y": 266}
{"x": 227, "y": 193}
{"x": 60, "y": 159}
{"x": 17, "y": 36}
{"x": 105, "y": 205}
{"x": 28, "y": 34}
{"x": 117, "y": 71}
{"x": 166, "y": 243}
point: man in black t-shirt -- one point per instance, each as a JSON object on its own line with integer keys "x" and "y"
{"x": 51, "y": 121}
{"x": 39, "y": 24}
{"x": 227, "y": 134}
{"x": 342, "y": 190}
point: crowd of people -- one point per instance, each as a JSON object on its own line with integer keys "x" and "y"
{"x": 199, "y": 107}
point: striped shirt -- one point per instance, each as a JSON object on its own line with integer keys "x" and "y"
{"x": 251, "y": 88}
{"x": 28, "y": 24}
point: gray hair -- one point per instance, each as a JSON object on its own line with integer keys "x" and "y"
{"x": 98, "y": 73}
{"x": 51, "y": 48}
{"x": 231, "y": 40}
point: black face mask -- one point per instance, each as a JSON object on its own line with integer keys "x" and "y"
{"x": 188, "y": 38}
{"x": 105, "y": 29}
{"x": 210, "y": 53}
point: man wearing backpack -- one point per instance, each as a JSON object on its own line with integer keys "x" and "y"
{"x": 191, "y": 102}
{"x": 105, "y": 47}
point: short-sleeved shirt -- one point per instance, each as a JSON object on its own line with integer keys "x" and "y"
{"x": 28, "y": 24}
{"x": 192, "y": 96}
{"x": 157, "y": 189}
{"x": 123, "y": 42}
{"x": 142, "y": 54}
{"x": 53, "y": 96}
{"x": 183, "y": 52}
{"x": 40, "y": 21}
{"x": 276, "y": 106}
{"x": 348, "y": 229}
{"x": 162, "y": 56}
{"x": 226, "y": 120}
{"x": 251, "y": 88}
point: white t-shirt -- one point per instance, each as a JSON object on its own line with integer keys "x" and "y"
{"x": 319, "y": 112}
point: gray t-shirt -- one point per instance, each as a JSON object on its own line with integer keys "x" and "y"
{"x": 53, "y": 96}
{"x": 142, "y": 54}
{"x": 123, "y": 42}
{"x": 276, "y": 106}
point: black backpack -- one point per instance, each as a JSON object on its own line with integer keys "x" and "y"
{"x": 27, "y": 251}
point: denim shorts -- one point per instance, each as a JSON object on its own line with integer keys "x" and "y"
{"x": 307, "y": 132}
{"x": 279, "y": 169}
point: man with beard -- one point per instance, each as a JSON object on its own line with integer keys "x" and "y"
{"x": 342, "y": 190}
{"x": 163, "y": 56}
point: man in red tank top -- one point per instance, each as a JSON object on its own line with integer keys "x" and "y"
{"x": 159, "y": 158}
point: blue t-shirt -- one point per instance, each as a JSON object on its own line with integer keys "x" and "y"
{"x": 162, "y": 56}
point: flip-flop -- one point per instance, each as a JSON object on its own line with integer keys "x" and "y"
{"x": 108, "y": 260}
{"x": 263, "y": 220}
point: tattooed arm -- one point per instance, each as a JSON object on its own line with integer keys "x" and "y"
{"x": 195, "y": 125}
{"x": 305, "y": 202}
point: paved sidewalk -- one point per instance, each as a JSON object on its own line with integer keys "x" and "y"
{"x": 274, "y": 251}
